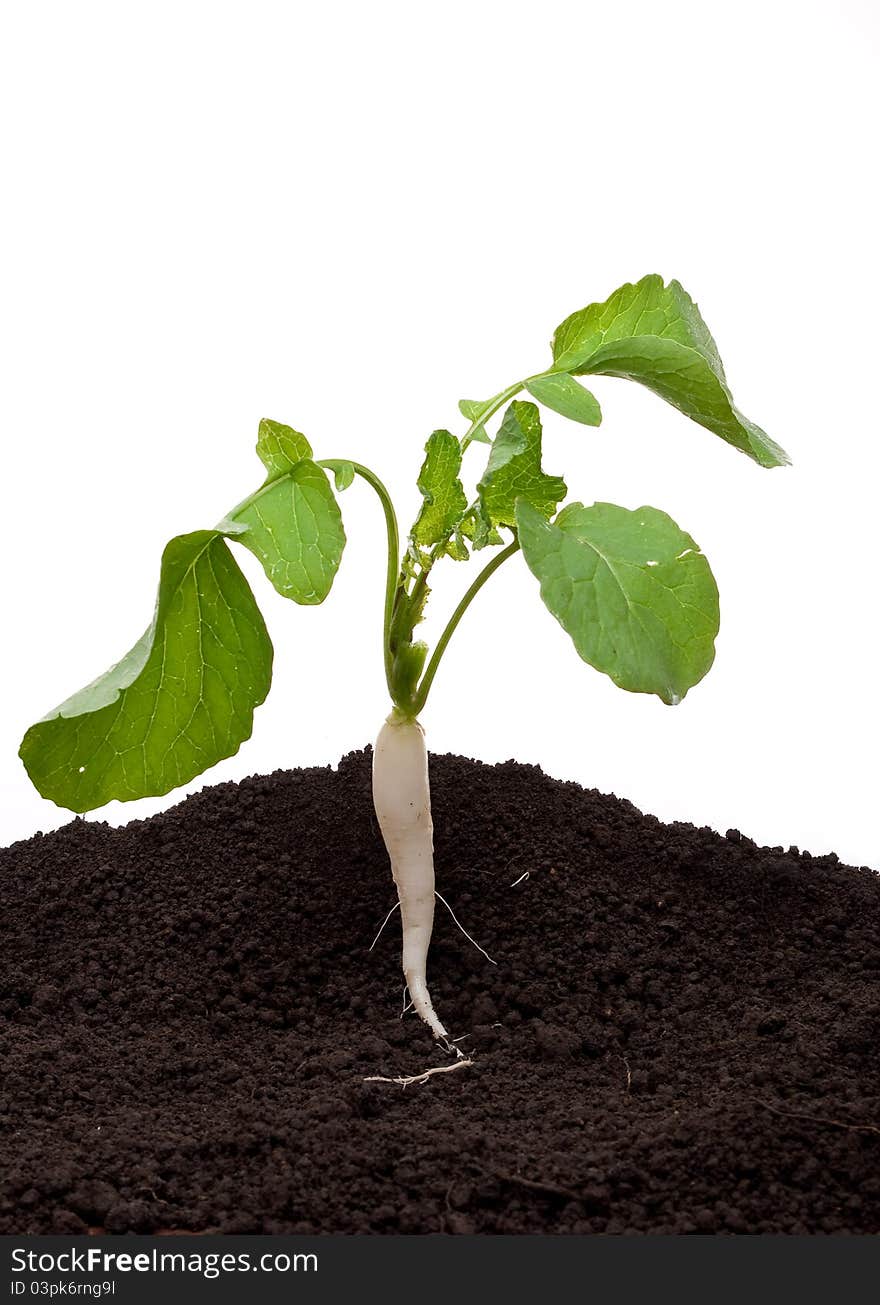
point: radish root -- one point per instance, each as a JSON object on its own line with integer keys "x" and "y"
{"x": 405, "y": 1081}
{"x": 402, "y": 799}
{"x": 395, "y": 907}
{"x": 459, "y": 925}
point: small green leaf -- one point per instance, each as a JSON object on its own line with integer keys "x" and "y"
{"x": 565, "y": 395}
{"x": 444, "y": 498}
{"x": 293, "y": 525}
{"x": 182, "y": 698}
{"x": 472, "y": 409}
{"x": 632, "y": 589}
{"x": 280, "y": 448}
{"x": 653, "y": 333}
{"x": 456, "y": 548}
{"x": 475, "y": 527}
{"x": 514, "y": 469}
{"x": 343, "y": 474}
{"x": 414, "y": 561}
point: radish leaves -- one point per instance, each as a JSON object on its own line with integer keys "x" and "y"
{"x": 631, "y": 588}
{"x": 280, "y": 448}
{"x": 293, "y": 525}
{"x": 182, "y": 699}
{"x": 445, "y": 500}
{"x": 654, "y": 334}
{"x": 343, "y": 474}
{"x": 475, "y": 411}
{"x": 514, "y": 469}
{"x": 565, "y": 395}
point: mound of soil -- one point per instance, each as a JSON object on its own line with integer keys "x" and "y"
{"x": 681, "y": 1032}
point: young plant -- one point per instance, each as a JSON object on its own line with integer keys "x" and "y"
{"x": 630, "y": 587}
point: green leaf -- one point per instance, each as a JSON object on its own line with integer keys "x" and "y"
{"x": 472, "y": 409}
{"x": 293, "y": 525}
{"x": 654, "y": 334}
{"x": 478, "y": 529}
{"x": 514, "y": 469}
{"x": 456, "y": 548}
{"x": 280, "y": 448}
{"x": 444, "y": 498}
{"x": 182, "y": 699}
{"x": 343, "y": 474}
{"x": 632, "y": 589}
{"x": 562, "y": 393}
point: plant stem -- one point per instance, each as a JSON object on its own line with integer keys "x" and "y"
{"x": 431, "y": 668}
{"x": 396, "y": 581}
{"x": 391, "y": 576}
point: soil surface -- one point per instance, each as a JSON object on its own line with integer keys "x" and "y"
{"x": 681, "y": 1032}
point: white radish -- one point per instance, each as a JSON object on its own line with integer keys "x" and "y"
{"x": 402, "y": 798}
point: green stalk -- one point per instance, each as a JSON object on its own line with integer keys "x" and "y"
{"x": 393, "y": 568}
{"x": 431, "y": 668}
{"x": 395, "y": 582}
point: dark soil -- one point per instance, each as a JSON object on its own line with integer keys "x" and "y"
{"x": 681, "y": 1034}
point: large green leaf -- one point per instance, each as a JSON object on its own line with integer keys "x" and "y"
{"x": 294, "y": 526}
{"x": 514, "y": 469}
{"x": 182, "y": 699}
{"x": 653, "y": 333}
{"x": 280, "y": 447}
{"x": 444, "y": 498}
{"x": 565, "y": 395}
{"x": 632, "y": 589}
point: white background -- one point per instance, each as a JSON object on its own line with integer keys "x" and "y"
{"x": 348, "y": 216}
